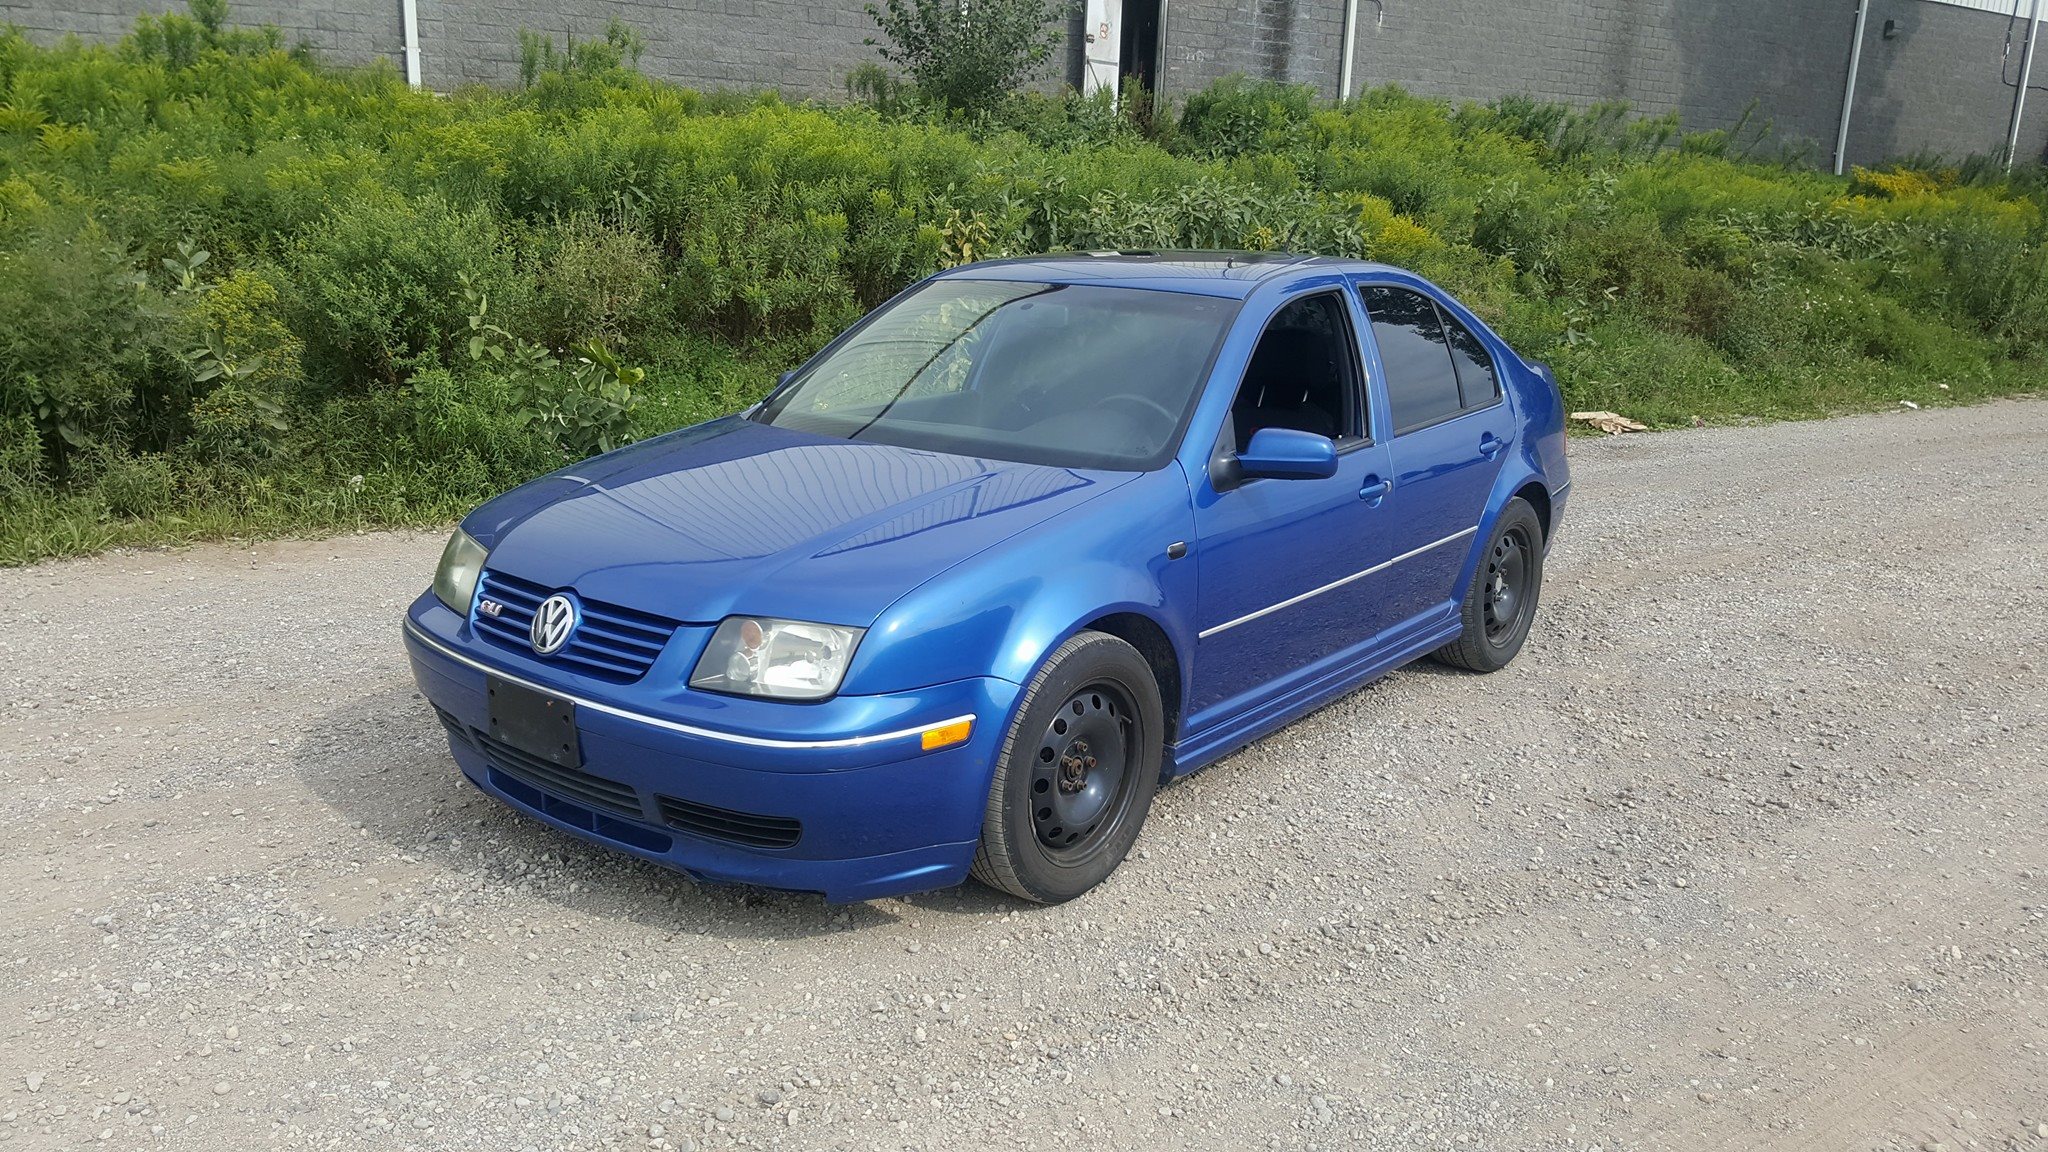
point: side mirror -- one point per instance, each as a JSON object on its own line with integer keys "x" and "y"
{"x": 1287, "y": 454}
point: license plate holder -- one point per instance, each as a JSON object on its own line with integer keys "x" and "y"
{"x": 536, "y": 723}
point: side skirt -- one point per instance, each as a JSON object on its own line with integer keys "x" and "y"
{"x": 1201, "y": 749}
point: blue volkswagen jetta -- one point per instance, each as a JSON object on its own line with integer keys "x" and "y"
{"x": 1030, "y": 539}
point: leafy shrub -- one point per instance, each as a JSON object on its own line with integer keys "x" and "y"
{"x": 584, "y": 404}
{"x": 84, "y": 340}
{"x": 875, "y": 86}
{"x": 1237, "y": 115}
{"x": 966, "y": 55}
{"x": 21, "y": 459}
{"x": 376, "y": 280}
{"x": 134, "y": 486}
{"x": 565, "y": 80}
{"x": 747, "y": 261}
{"x": 591, "y": 279}
{"x": 1068, "y": 120}
{"x": 179, "y": 41}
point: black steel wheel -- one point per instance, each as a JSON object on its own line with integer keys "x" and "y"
{"x": 1082, "y": 772}
{"x": 1076, "y": 774}
{"x": 1500, "y": 604}
{"x": 1506, "y": 601}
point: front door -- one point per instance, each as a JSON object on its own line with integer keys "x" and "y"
{"x": 1282, "y": 565}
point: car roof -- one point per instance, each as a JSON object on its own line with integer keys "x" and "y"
{"x": 1230, "y": 274}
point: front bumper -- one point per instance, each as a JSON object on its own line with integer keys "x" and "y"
{"x": 836, "y": 797}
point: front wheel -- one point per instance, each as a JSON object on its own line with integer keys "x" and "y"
{"x": 1076, "y": 773}
{"x": 1501, "y": 603}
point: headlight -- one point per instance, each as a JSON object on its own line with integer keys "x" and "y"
{"x": 789, "y": 659}
{"x": 462, "y": 561}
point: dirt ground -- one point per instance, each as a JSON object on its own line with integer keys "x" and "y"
{"x": 1746, "y": 851}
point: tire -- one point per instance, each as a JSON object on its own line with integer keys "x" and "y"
{"x": 1085, "y": 747}
{"x": 1501, "y": 603}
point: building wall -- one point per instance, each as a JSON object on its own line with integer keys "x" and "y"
{"x": 342, "y": 31}
{"x": 804, "y": 49}
{"x": 1932, "y": 86}
{"x": 1299, "y": 41}
{"x": 1707, "y": 61}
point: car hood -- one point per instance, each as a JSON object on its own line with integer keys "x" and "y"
{"x": 734, "y": 516}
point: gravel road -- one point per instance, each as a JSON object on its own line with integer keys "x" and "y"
{"x": 1746, "y": 851}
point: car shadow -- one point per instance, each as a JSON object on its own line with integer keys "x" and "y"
{"x": 381, "y": 763}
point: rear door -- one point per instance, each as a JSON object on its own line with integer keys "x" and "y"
{"x": 1449, "y": 436}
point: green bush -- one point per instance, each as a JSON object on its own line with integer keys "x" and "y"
{"x": 85, "y": 341}
{"x": 592, "y": 279}
{"x": 966, "y": 57}
{"x": 1238, "y": 116}
{"x": 241, "y": 291}
{"x": 377, "y": 284}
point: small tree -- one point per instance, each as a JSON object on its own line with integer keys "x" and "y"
{"x": 966, "y": 53}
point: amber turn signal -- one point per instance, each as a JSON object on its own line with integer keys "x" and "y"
{"x": 948, "y": 734}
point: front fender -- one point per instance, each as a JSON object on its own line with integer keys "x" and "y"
{"x": 1000, "y": 612}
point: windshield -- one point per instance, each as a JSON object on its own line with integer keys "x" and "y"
{"x": 1070, "y": 375}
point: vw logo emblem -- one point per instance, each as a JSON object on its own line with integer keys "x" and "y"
{"x": 552, "y": 623}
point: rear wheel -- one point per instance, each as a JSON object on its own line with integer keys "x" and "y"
{"x": 1076, "y": 774}
{"x": 1501, "y": 603}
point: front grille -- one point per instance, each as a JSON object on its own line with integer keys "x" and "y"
{"x": 596, "y": 791}
{"x": 610, "y": 642}
{"x": 747, "y": 828}
{"x": 577, "y": 816}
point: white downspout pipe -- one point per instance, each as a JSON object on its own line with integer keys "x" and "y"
{"x": 409, "y": 11}
{"x": 1849, "y": 93}
{"x": 2019, "y": 96}
{"x": 1351, "y": 46}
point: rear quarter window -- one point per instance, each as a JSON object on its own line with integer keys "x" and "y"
{"x": 1478, "y": 384}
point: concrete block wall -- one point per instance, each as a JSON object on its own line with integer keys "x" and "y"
{"x": 342, "y": 31}
{"x": 803, "y": 49}
{"x": 1299, "y": 41}
{"x": 1933, "y": 85}
{"x": 1705, "y": 60}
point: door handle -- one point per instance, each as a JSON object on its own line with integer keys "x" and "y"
{"x": 1490, "y": 445}
{"x": 1375, "y": 490}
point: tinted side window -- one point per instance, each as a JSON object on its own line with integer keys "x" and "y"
{"x": 1476, "y": 380}
{"x": 1422, "y": 386}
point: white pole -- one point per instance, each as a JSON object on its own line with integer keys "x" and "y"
{"x": 1351, "y": 45}
{"x": 410, "y": 10}
{"x": 1849, "y": 93}
{"x": 2019, "y": 97}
